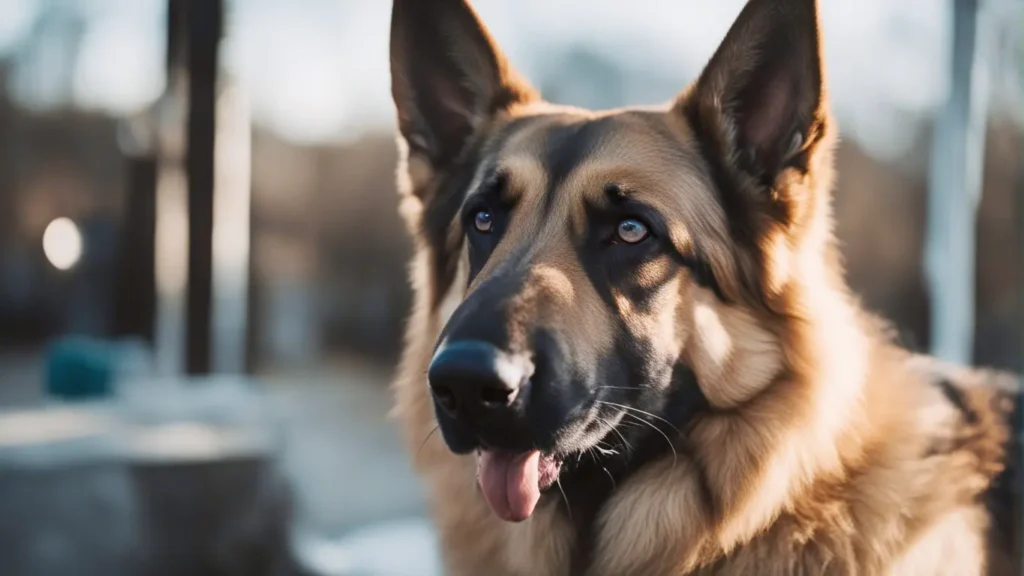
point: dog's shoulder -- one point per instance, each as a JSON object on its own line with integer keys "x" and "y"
{"x": 972, "y": 411}
{"x": 973, "y": 436}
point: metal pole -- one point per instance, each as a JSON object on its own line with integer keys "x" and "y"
{"x": 955, "y": 175}
{"x": 204, "y": 33}
{"x": 135, "y": 283}
{"x": 1018, "y": 412}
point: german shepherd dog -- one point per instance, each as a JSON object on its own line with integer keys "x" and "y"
{"x": 633, "y": 350}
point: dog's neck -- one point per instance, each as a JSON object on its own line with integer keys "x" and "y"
{"x": 592, "y": 478}
{"x": 746, "y": 464}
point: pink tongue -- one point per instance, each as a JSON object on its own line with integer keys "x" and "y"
{"x": 510, "y": 483}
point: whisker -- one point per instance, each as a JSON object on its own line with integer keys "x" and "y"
{"x": 568, "y": 509}
{"x": 623, "y": 438}
{"x": 639, "y": 411}
{"x": 610, "y": 477}
{"x": 615, "y": 429}
{"x": 675, "y": 455}
{"x": 425, "y": 440}
{"x": 597, "y": 451}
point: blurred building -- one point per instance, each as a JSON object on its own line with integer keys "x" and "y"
{"x": 330, "y": 250}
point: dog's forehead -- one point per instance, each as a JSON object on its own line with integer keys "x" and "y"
{"x": 561, "y": 154}
{"x": 557, "y": 161}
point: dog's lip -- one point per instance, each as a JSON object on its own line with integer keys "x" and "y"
{"x": 575, "y": 437}
{"x": 551, "y": 468}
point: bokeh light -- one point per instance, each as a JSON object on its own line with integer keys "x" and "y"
{"x": 62, "y": 243}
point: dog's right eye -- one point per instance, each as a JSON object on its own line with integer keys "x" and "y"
{"x": 483, "y": 221}
{"x": 631, "y": 231}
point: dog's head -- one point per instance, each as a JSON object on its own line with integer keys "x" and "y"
{"x": 615, "y": 272}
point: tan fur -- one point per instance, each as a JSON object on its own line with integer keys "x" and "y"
{"x": 858, "y": 422}
{"x": 829, "y": 450}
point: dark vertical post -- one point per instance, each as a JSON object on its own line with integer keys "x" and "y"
{"x": 135, "y": 276}
{"x": 175, "y": 37}
{"x": 1018, "y": 411}
{"x": 204, "y": 27}
{"x": 135, "y": 292}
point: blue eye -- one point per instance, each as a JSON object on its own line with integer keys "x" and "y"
{"x": 631, "y": 231}
{"x": 483, "y": 221}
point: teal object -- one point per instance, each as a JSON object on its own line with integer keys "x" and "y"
{"x": 79, "y": 368}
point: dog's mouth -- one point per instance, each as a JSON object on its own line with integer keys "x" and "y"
{"x": 512, "y": 482}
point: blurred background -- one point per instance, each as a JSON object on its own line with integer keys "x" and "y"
{"x": 203, "y": 272}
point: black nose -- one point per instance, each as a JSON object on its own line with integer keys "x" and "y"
{"x": 471, "y": 377}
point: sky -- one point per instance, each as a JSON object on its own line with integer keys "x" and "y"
{"x": 317, "y": 70}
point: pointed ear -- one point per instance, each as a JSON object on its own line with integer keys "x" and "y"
{"x": 448, "y": 77}
{"x": 760, "y": 103}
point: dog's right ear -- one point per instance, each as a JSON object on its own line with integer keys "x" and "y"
{"x": 448, "y": 78}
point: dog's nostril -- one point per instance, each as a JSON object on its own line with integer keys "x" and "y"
{"x": 494, "y": 397}
{"x": 445, "y": 397}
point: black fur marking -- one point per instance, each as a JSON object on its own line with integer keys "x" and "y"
{"x": 590, "y": 483}
{"x": 482, "y": 315}
{"x": 566, "y": 147}
{"x": 700, "y": 270}
{"x": 611, "y": 268}
{"x": 1003, "y": 498}
{"x": 438, "y": 216}
{"x": 441, "y": 209}
{"x": 482, "y": 244}
{"x": 958, "y": 399}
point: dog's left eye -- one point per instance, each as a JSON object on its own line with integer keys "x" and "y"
{"x": 631, "y": 231}
{"x": 483, "y": 221}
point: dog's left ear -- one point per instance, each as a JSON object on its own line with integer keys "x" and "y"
{"x": 448, "y": 77}
{"x": 759, "y": 105}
